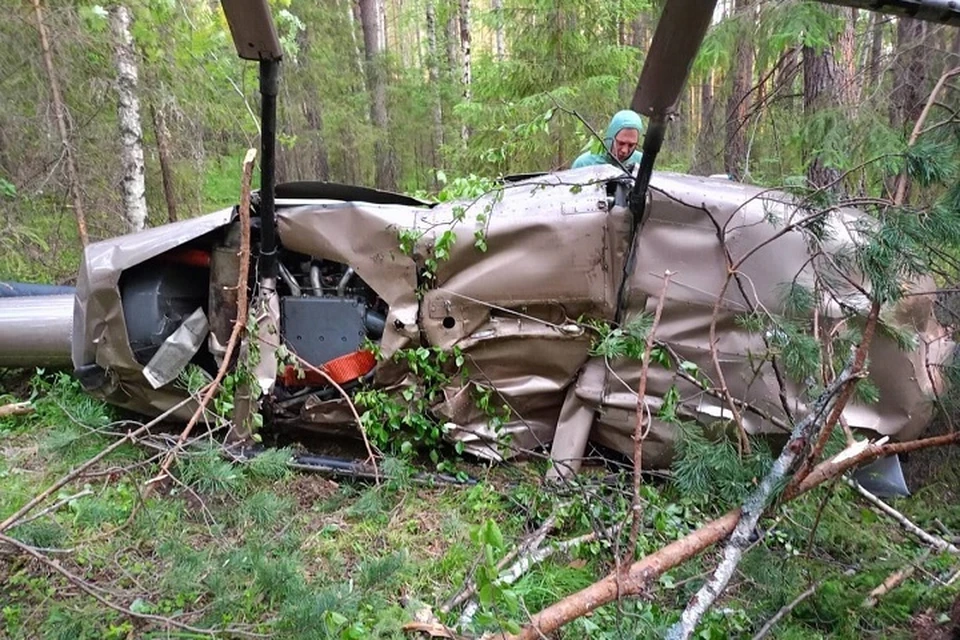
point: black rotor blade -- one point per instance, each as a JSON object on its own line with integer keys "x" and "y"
{"x": 942, "y": 11}
{"x": 676, "y": 41}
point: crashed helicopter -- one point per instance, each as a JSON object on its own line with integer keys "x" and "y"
{"x": 331, "y": 278}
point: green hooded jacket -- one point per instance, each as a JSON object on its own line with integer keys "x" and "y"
{"x": 625, "y": 119}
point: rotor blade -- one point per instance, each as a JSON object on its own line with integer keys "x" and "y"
{"x": 676, "y": 41}
{"x": 943, "y": 11}
{"x": 252, "y": 28}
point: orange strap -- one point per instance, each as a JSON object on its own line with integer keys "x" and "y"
{"x": 343, "y": 369}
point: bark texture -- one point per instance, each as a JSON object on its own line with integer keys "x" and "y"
{"x": 166, "y": 161}
{"x": 60, "y": 113}
{"x": 735, "y": 153}
{"x": 820, "y": 91}
{"x": 466, "y": 79}
{"x": 370, "y": 16}
{"x": 133, "y": 184}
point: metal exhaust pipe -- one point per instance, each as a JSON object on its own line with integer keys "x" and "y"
{"x": 36, "y": 331}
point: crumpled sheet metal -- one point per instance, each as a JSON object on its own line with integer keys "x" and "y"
{"x": 554, "y": 255}
{"x": 681, "y": 235}
{"x": 555, "y": 250}
{"x": 100, "y": 334}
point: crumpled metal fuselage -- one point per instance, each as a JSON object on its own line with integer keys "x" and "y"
{"x": 554, "y": 258}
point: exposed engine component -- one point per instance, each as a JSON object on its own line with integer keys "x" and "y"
{"x": 157, "y": 297}
{"x": 321, "y": 329}
{"x": 326, "y": 316}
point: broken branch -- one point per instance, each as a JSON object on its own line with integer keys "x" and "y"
{"x": 786, "y": 609}
{"x": 643, "y": 426}
{"x": 16, "y": 409}
{"x": 756, "y": 504}
{"x": 239, "y": 323}
{"x": 130, "y": 436}
{"x": 928, "y": 539}
{"x": 647, "y": 569}
{"x": 893, "y": 581}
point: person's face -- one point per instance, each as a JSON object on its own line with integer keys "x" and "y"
{"x": 625, "y": 143}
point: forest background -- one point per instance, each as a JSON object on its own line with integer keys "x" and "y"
{"x": 420, "y": 95}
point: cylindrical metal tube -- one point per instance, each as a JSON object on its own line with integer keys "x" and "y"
{"x": 35, "y": 331}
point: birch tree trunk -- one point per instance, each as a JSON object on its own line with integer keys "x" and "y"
{"x": 499, "y": 46}
{"x": 353, "y": 17}
{"x": 433, "y": 69}
{"x": 735, "y": 153}
{"x": 370, "y": 14}
{"x": 465, "y": 56}
{"x": 60, "y": 112}
{"x": 166, "y": 161}
{"x": 128, "y": 119}
{"x": 453, "y": 49}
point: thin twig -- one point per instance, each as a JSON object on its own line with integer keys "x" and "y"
{"x": 786, "y": 609}
{"x": 928, "y": 539}
{"x": 239, "y": 323}
{"x": 89, "y": 590}
{"x": 757, "y": 502}
{"x": 532, "y": 542}
{"x": 130, "y": 436}
{"x": 525, "y": 562}
{"x": 893, "y": 581}
{"x": 371, "y": 457}
{"x": 918, "y": 128}
{"x": 642, "y": 427}
{"x": 53, "y": 507}
{"x": 647, "y": 569}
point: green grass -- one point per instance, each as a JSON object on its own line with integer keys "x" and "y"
{"x": 259, "y": 548}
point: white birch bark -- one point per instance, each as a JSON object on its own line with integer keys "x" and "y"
{"x": 499, "y": 47}
{"x": 465, "y": 56}
{"x": 128, "y": 119}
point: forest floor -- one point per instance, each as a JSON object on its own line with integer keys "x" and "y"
{"x": 258, "y": 550}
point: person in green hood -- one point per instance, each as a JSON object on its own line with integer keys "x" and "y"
{"x": 620, "y": 141}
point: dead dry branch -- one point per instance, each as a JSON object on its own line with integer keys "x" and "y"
{"x": 934, "y": 542}
{"x": 240, "y": 321}
{"x": 16, "y": 409}
{"x": 642, "y": 428}
{"x": 641, "y": 573}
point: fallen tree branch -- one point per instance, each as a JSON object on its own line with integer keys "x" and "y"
{"x": 89, "y": 590}
{"x": 757, "y": 503}
{"x": 928, "y": 539}
{"x": 786, "y": 609}
{"x": 16, "y": 409}
{"x": 893, "y": 581}
{"x": 526, "y": 562}
{"x": 533, "y": 541}
{"x": 239, "y": 323}
{"x": 53, "y": 507}
{"x": 129, "y": 437}
{"x": 645, "y": 570}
